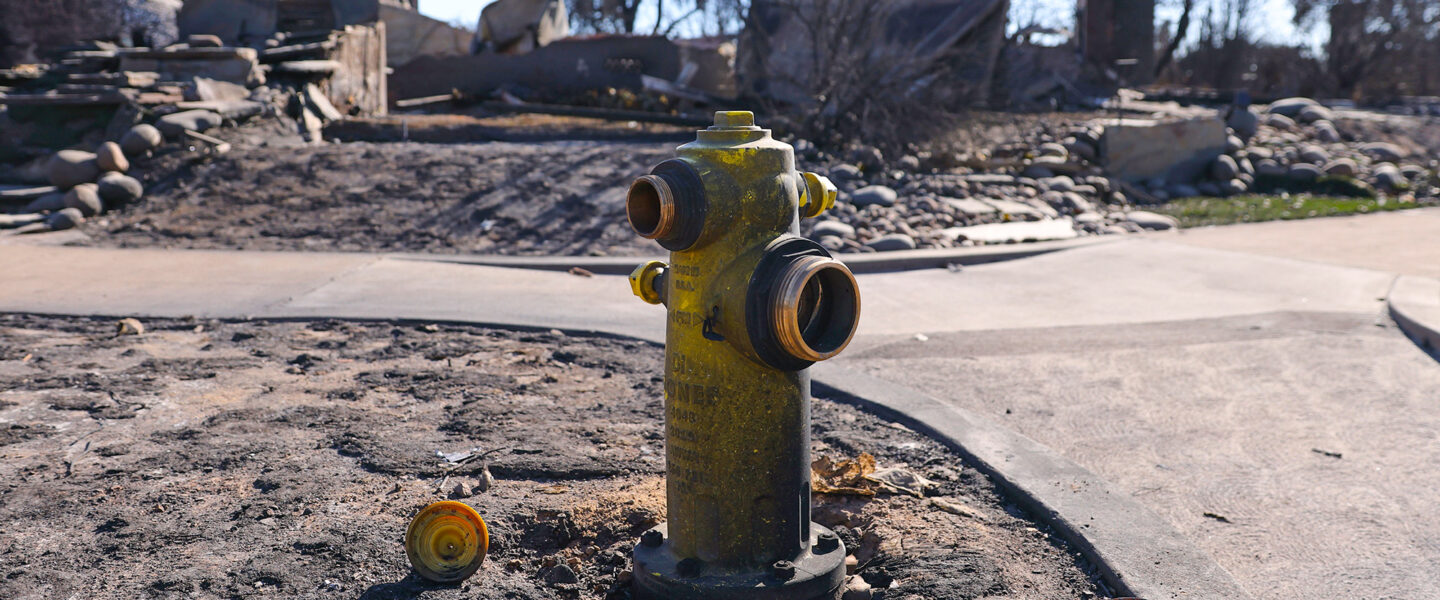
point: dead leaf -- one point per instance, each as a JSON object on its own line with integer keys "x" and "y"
{"x": 844, "y": 478}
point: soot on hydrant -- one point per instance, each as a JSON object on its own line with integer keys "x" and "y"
{"x": 750, "y": 306}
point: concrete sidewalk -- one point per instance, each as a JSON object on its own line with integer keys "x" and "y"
{"x": 1405, "y": 242}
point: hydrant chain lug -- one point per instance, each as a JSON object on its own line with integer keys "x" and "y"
{"x": 750, "y": 306}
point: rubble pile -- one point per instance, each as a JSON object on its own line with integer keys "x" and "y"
{"x": 156, "y": 101}
{"x": 1057, "y": 185}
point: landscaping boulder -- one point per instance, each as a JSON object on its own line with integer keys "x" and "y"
{"x": 47, "y": 203}
{"x": 1279, "y": 121}
{"x": 69, "y": 168}
{"x": 1224, "y": 168}
{"x": 1269, "y": 168}
{"x": 1344, "y": 167}
{"x": 1290, "y": 107}
{"x": 894, "y": 241}
{"x": 176, "y": 124}
{"x": 85, "y": 198}
{"x": 832, "y": 227}
{"x": 1244, "y": 122}
{"x": 876, "y": 194}
{"x": 1151, "y": 221}
{"x": 1384, "y": 151}
{"x": 1303, "y": 172}
{"x": 141, "y": 139}
{"x": 65, "y": 219}
{"x": 117, "y": 189}
{"x": 1388, "y": 177}
{"x": 1232, "y": 187}
{"x": 1313, "y": 113}
{"x": 110, "y": 157}
{"x": 1314, "y": 155}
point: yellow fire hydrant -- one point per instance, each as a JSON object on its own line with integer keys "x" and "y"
{"x": 750, "y": 306}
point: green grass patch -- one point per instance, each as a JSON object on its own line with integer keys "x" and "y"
{"x": 1201, "y": 212}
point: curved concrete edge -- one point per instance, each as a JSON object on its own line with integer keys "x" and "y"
{"x": 878, "y": 262}
{"x": 1137, "y": 553}
{"x": 1414, "y": 303}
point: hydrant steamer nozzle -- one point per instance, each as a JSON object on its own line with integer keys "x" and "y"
{"x": 750, "y": 306}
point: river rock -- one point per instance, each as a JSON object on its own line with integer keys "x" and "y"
{"x": 1233, "y": 144}
{"x": 116, "y": 189}
{"x": 909, "y": 163}
{"x": 1290, "y": 107}
{"x": 1244, "y": 122}
{"x": 47, "y": 203}
{"x": 1388, "y": 177}
{"x": 1224, "y": 168}
{"x": 85, "y": 198}
{"x": 1082, "y": 149}
{"x": 1303, "y": 172}
{"x": 1314, "y": 155}
{"x": 1074, "y": 202}
{"x": 894, "y": 241}
{"x": 1059, "y": 183}
{"x": 1325, "y": 131}
{"x": 845, "y": 172}
{"x": 1281, "y": 122}
{"x": 868, "y": 156}
{"x": 1151, "y": 221}
{"x": 141, "y": 139}
{"x": 831, "y": 243}
{"x": 1341, "y": 166}
{"x": 1256, "y": 153}
{"x": 111, "y": 158}
{"x": 1268, "y": 167}
{"x": 1054, "y": 149}
{"x": 65, "y": 219}
{"x": 1037, "y": 170}
{"x": 878, "y": 195}
{"x": 176, "y": 124}
{"x": 69, "y": 168}
{"x": 1232, "y": 187}
{"x": 1384, "y": 151}
{"x": 1313, "y": 113}
{"x": 832, "y": 227}
{"x": 1208, "y": 188}
{"x": 1183, "y": 190}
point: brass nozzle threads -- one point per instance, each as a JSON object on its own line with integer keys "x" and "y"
{"x": 816, "y": 308}
{"x": 650, "y": 207}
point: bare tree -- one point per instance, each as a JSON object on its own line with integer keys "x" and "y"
{"x": 1181, "y": 28}
{"x": 1370, "y": 40}
{"x": 706, "y": 17}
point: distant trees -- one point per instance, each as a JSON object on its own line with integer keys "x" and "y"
{"x": 697, "y": 17}
{"x": 1377, "y": 47}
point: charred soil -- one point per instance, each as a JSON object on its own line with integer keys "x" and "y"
{"x": 245, "y": 459}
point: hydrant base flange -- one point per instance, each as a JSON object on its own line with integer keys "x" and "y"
{"x": 660, "y": 575}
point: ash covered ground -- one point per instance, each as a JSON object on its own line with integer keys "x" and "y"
{"x": 249, "y": 459}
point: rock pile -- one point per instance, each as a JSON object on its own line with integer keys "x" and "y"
{"x": 1055, "y": 186}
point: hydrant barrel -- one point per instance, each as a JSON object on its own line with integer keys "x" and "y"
{"x": 750, "y": 305}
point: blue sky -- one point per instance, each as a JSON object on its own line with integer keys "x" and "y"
{"x": 1272, "y": 22}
